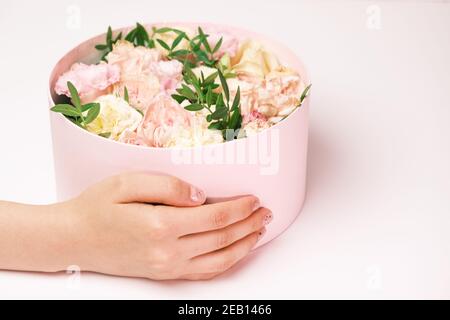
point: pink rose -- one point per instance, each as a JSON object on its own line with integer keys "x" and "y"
{"x": 162, "y": 122}
{"x": 169, "y": 74}
{"x": 280, "y": 93}
{"x": 132, "y": 60}
{"x": 91, "y": 81}
{"x": 143, "y": 73}
{"x": 275, "y": 95}
{"x": 253, "y": 116}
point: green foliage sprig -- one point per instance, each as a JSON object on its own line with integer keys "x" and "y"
{"x": 76, "y": 111}
{"x": 198, "y": 52}
{"x": 139, "y": 37}
{"x": 200, "y": 92}
{"x": 110, "y": 41}
{"x": 303, "y": 96}
{"x": 305, "y": 93}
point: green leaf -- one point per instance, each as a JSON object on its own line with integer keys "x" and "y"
{"x": 235, "y": 120}
{"x": 163, "y": 30}
{"x": 177, "y": 41}
{"x": 224, "y": 83}
{"x": 87, "y": 106}
{"x": 167, "y": 29}
{"x": 305, "y": 93}
{"x": 215, "y": 126}
{"x": 191, "y": 77}
{"x": 179, "y": 53}
{"x": 202, "y": 56}
{"x": 140, "y": 112}
{"x": 204, "y": 40}
{"x": 195, "y": 46}
{"x": 67, "y": 110}
{"x": 209, "y": 118}
{"x": 188, "y": 93}
{"x": 194, "y": 107}
{"x": 131, "y": 35}
{"x": 211, "y": 78}
{"x": 139, "y": 37}
{"x": 219, "y": 102}
{"x": 105, "y": 134}
{"x": 230, "y": 74}
{"x": 126, "y": 97}
{"x": 219, "y": 113}
{"x": 202, "y": 77}
{"x": 74, "y": 95}
{"x": 237, "y": 99}
{"x": 101, "y": 47}
{"x": 109, "y": 35}
{"x": 163, "y": 44}
{"x": 218, "y": 45}
{"x": 209, "y": 96}
{"x": 143, "y": 33}
{"x": 178, "y": 98}
{"x": 198, "y": 89}
{"x": 119, "y": 36}
{"x": 92, "y": 113}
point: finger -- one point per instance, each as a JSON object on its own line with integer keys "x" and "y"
{"x": 212, "y": 216}
{"x": 199, "y": 276}
{"x": 201, "y": 243}
{"x": 212, "y": 200}
{"x": 160, "y": 189}
{"x": 222, "y": 260}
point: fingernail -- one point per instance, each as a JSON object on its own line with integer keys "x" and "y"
{"x": 261, "y": 234}
{"x": 256, "y": 205}
{"x": 197, "y": 195}
{"x": 268, "y": 218}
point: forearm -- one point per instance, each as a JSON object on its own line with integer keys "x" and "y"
{"x": 35, "y": 238}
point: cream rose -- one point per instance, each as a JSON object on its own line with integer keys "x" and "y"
{"x": 253, "y": 61}
{"x": 197, "y": 134}
{"x": 115, "y": 117}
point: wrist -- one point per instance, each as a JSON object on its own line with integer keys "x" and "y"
{"x": 39, "y": 238}
{"x": 65, "y": 237}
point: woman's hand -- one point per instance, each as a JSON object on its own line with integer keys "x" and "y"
{"x": 115, "y": 227}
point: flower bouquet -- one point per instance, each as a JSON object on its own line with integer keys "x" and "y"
{"x": 196, "y": 101}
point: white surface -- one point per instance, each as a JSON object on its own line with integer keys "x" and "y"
{"x": 377, "y": 217}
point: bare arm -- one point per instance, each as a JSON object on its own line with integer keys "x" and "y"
{"x": 136, "y": 225}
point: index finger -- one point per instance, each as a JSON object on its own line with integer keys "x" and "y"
{"x": 212, "y": 216}
{"x": 154, "y": 188}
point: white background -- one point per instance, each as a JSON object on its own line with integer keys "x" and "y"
{"x": 377, "y": 216}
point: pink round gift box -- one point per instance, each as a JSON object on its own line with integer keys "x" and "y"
{"x": 270, "y": 165}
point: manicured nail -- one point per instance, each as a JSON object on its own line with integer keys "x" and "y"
{"x": 268, "y": 218}
{"x": 261, "y": 234}
{"x": 197, "y": 195}
{"x": 256, "y": 205}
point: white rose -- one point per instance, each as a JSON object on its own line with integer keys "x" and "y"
{"x": 197, "y": 134}
{"x": 115, "y": 117}
{"x": 254, "y": 61}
